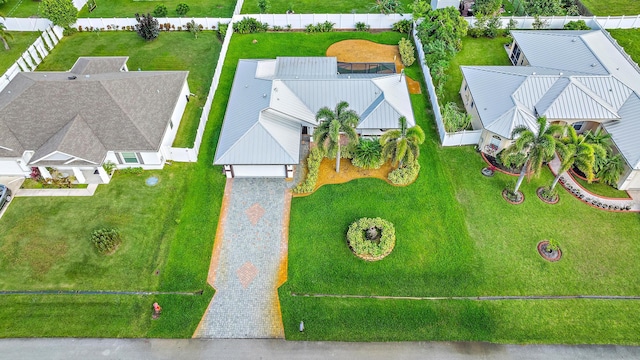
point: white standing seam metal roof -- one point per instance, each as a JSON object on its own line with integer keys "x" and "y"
{"x": 573, "y": 75}
{"x": 271, "y": 99}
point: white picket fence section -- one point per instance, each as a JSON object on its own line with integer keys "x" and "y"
{"x": 341, "y": 21}
{"x": 465, "y": 137}
{"x": 551, "y": 22}
{"x": 26, "y": 24}
{"x": 106, "y": 24}
{"x": 79, "y": 4}
{"x": 238, "y": 7}
{"x": 34, "y": 55}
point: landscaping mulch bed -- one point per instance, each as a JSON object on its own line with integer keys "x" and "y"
{"x": 552, "y": 256}
{"x": 369, "y": 51}
{"x": 552, "y": 201}
{"x": 505, "y": 195}
{"x": 492, "y": 161}
{"x": 348, "y": 172}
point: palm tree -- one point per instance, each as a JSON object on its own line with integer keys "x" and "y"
{"x": 333, "y": 123}
{"x": 4, "y": 35}
{"x": 602, "y": 139}
{"x": 610, "y": 171}
{"x": 575, "y": 150}
{"x": 532, "y": 148}
{"x": 402, "y": 145}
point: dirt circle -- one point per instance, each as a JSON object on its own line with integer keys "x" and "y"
{"x": 369, "y": 51}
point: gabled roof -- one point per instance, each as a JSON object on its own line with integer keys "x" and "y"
{"x": 626, "y": 132}
{"x": 87, "y": 115}
{"x": 271, "y": 98}
{"x": 568, "y": 99}
{"x": 99, "y": 65}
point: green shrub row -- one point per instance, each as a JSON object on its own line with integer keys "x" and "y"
{"x": 405, "y": 175}
{"x": 407, "y": 52}
{"x": 132, "y": 170}
{"x": 326, "y": 26}
{"x": 368, "y": 249}
{"x": 402, "y": 26}
{"x": 106, "y": 240}
{"x": 249, "y": 25}
{"x": 313, "y": 168}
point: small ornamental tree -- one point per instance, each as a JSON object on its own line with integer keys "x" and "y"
{"x": 160, "y": 11}
{"x": 147, "y": 26}
{"x": 406, "y": 52}
{"x": 264, "y": 6}
{"x": 194, "y": 28}
{"x": 60, "y": 12}
{"x": 182, "y": 9}
{"x": 4, "y": 35}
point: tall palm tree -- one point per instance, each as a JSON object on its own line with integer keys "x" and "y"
{"x": 4, "y": 35}
{"x": 533, "y": 148}
{"x": 402, "y": 145}
{"x": 575, "y": 150}
{"x": 333, "y": 123}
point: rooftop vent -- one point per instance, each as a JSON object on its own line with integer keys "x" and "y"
{"x": 264, "y": 96}
{"x": 594, "y": 65}
{"x": 72, "y": 77}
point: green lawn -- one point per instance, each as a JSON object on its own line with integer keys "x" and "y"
{"x": 198, "y": 56}
{"x": 629, "y": 39}
{"x": 168, "y": 229}
{"x": 612, "y": 7}
{"x": 475, "y": 51}
{"x": 20, "y": 8}
{"x": 127, "y": 8}
{"x": 17, "y": 45}
{"x": 602, "y": 189}
{"x": 456, "y": 236}
{"x": 313, "y": 6}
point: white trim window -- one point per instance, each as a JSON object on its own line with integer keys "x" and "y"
{"x": 130, "y": 158}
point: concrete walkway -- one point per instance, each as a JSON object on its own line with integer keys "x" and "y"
{"x": 249, "y": 261}
{"x": 611, "y": 204}
{"x": 161, "y": 349}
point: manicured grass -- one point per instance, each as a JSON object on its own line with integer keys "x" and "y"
{"x": 313, "y": 7}
{"x": 20, "y": 8}
{"x": 602, "y": 189}
{"x": 629, "y": 39}
{"x": 17, "y": 45}
{"x": 198, "y": 56}
{"x": 475, "y": 51}
{"x": 612, "y": 7}
{"x": 168, "y": 228}
{"x": 128, "y": 8}
{"x": 456, "y": 236}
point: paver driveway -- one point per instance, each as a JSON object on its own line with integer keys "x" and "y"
{"x": 249, "y": 261}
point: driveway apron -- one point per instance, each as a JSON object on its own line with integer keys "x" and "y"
{"x": 249, "y": 261}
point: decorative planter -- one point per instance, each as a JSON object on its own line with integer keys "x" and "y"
{"x": 548, "y": 201}
{"x": 553, "y": 255}
{"x": 518, "y": 199}
{"x": 487, "y": 172}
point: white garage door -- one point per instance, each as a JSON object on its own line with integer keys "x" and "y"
{"x": 635, "y": 182}
{"x": 277, "y": 171}
{"x": 10, "y": 167}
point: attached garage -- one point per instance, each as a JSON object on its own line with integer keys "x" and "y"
{"x": 268, "y": 171}
{"x": 10, "y": 167}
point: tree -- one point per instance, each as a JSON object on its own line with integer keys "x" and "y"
{"x": 402, "y": 145}
{"x": 486, "y": 7}
{"x": 4, "y": 35}
{"x": 574, "y": 150}
{"x": 543, "y": 7}
{"x": 445, "y": 24}
{"x": 194, "y": 28}
{"x": 182, "y": 9}
{"x": 147, "y": 26}
{"x": 576, "y": 25}
{"x": 333, "y": 123}
{"x": 611, "y": 170}
{"x": 531, "y": 149}
{"x": 601, "y": 138}
{"x": 387, "y": 7}
{"x": 264, "y": 6}
{"x": 60, "y": 12}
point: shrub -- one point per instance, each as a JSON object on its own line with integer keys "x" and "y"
{"x": 106, "y": 240}
{"x": 405, "y": 175}
{"x": 222, "y": 30}
{"x": 264, "y": 6}
{"x": 407, "y": 52}
{"x": 147, "y": 27}
{"x": 368, "y": 154}
{"x": 249, "y": 26}
{"x": 182, "y": 9}
{"x": 61, "y": 12}
{"x": 194, "y": 28}
{"x": 313, "y": 169}
{"x": 576, "y": 25}
{"x": 549, "y": 194}
{"x": 368, "y": 249}
{"x": 109, "y": 166}
{"x": 360, "y": 26}
{"x": 454, "y": 119}
{"x": 132, "y": 170}
{"x": 277, "y": 28}
{"x": 160, "y": 11}
{"x": 387, "y": 7}
{"x": 326, "y": 26}
{"x": 403, "y": 26}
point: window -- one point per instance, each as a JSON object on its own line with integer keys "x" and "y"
{"x": 515, "y": 54}
{"x": 130, "y": 158}
{"x": 578, "y": 125}
{"x": 170, "y": 124}
{"x": 472, "y": 104}
{"x": 465, "y": 87}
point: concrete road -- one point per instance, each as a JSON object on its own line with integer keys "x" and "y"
{"x": 142, "y": 349}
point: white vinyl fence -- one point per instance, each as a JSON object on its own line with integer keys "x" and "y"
{"x": 106, "y": 24}
{"x": 26, "y": 24}
{"x": 34, "y": 54}
{"x": 341, "y": 21}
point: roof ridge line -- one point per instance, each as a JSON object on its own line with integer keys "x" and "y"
{"x": 594, "y": 96}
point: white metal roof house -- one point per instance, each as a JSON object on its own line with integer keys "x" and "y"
{"x": 97, "y": 112}
{"x": 273, "y": 102}
{"x": 580, "y": 78}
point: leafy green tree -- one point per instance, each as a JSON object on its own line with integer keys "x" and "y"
{"x": 543, "y": 7}
{"x": 611, "y": 170}
{"x": 531, "y": 148}
{"x": 4, "y": 35}
{"x": 264, "y": 6}
{"x": 182, "y": 9}
{"x": 333, "y": 123}
{"x": 603, "y": 139}
{"x": 402, "y": 145}
{"x": 445, "y": 24}
{"x": 574, "y": 150}
{"x": 576, "y": 25}
{"x": 419, "y": 8}
{"x": 486, "y": 7}
{"x": 60, "y": 12}
{"x": 147, "y": 26}
{"x": 160, "y": 11}
{"x": 387, "y": 7}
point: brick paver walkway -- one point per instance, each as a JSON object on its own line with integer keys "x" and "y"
{"x": 249, "y": 261}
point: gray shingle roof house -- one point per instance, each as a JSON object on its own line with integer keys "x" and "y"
{"x": 273, "y": 102}
{"x": 580, "y": 78}
{"x": 96, "y": 112}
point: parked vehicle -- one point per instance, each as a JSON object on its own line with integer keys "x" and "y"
{"x": 5, "y": 195}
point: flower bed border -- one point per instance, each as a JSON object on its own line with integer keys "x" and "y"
{"x": 356, "y": 232}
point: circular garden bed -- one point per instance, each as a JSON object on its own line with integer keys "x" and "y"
{"x": 371, "y": 239}
{"x": 545, "y": 195}
{"x": 513, "y": 198}
{"x": 548, "y": 252}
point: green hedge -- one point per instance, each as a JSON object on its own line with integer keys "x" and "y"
{"x": 313, "y": 168}
{"x": 405, "y": 175}
{"x": 370, "y": 250}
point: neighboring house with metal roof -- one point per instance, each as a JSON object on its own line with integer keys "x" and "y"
{"x": 98, "y": 111}
{"x": 274, "y": 102}
{"x": 580, "y": 78}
